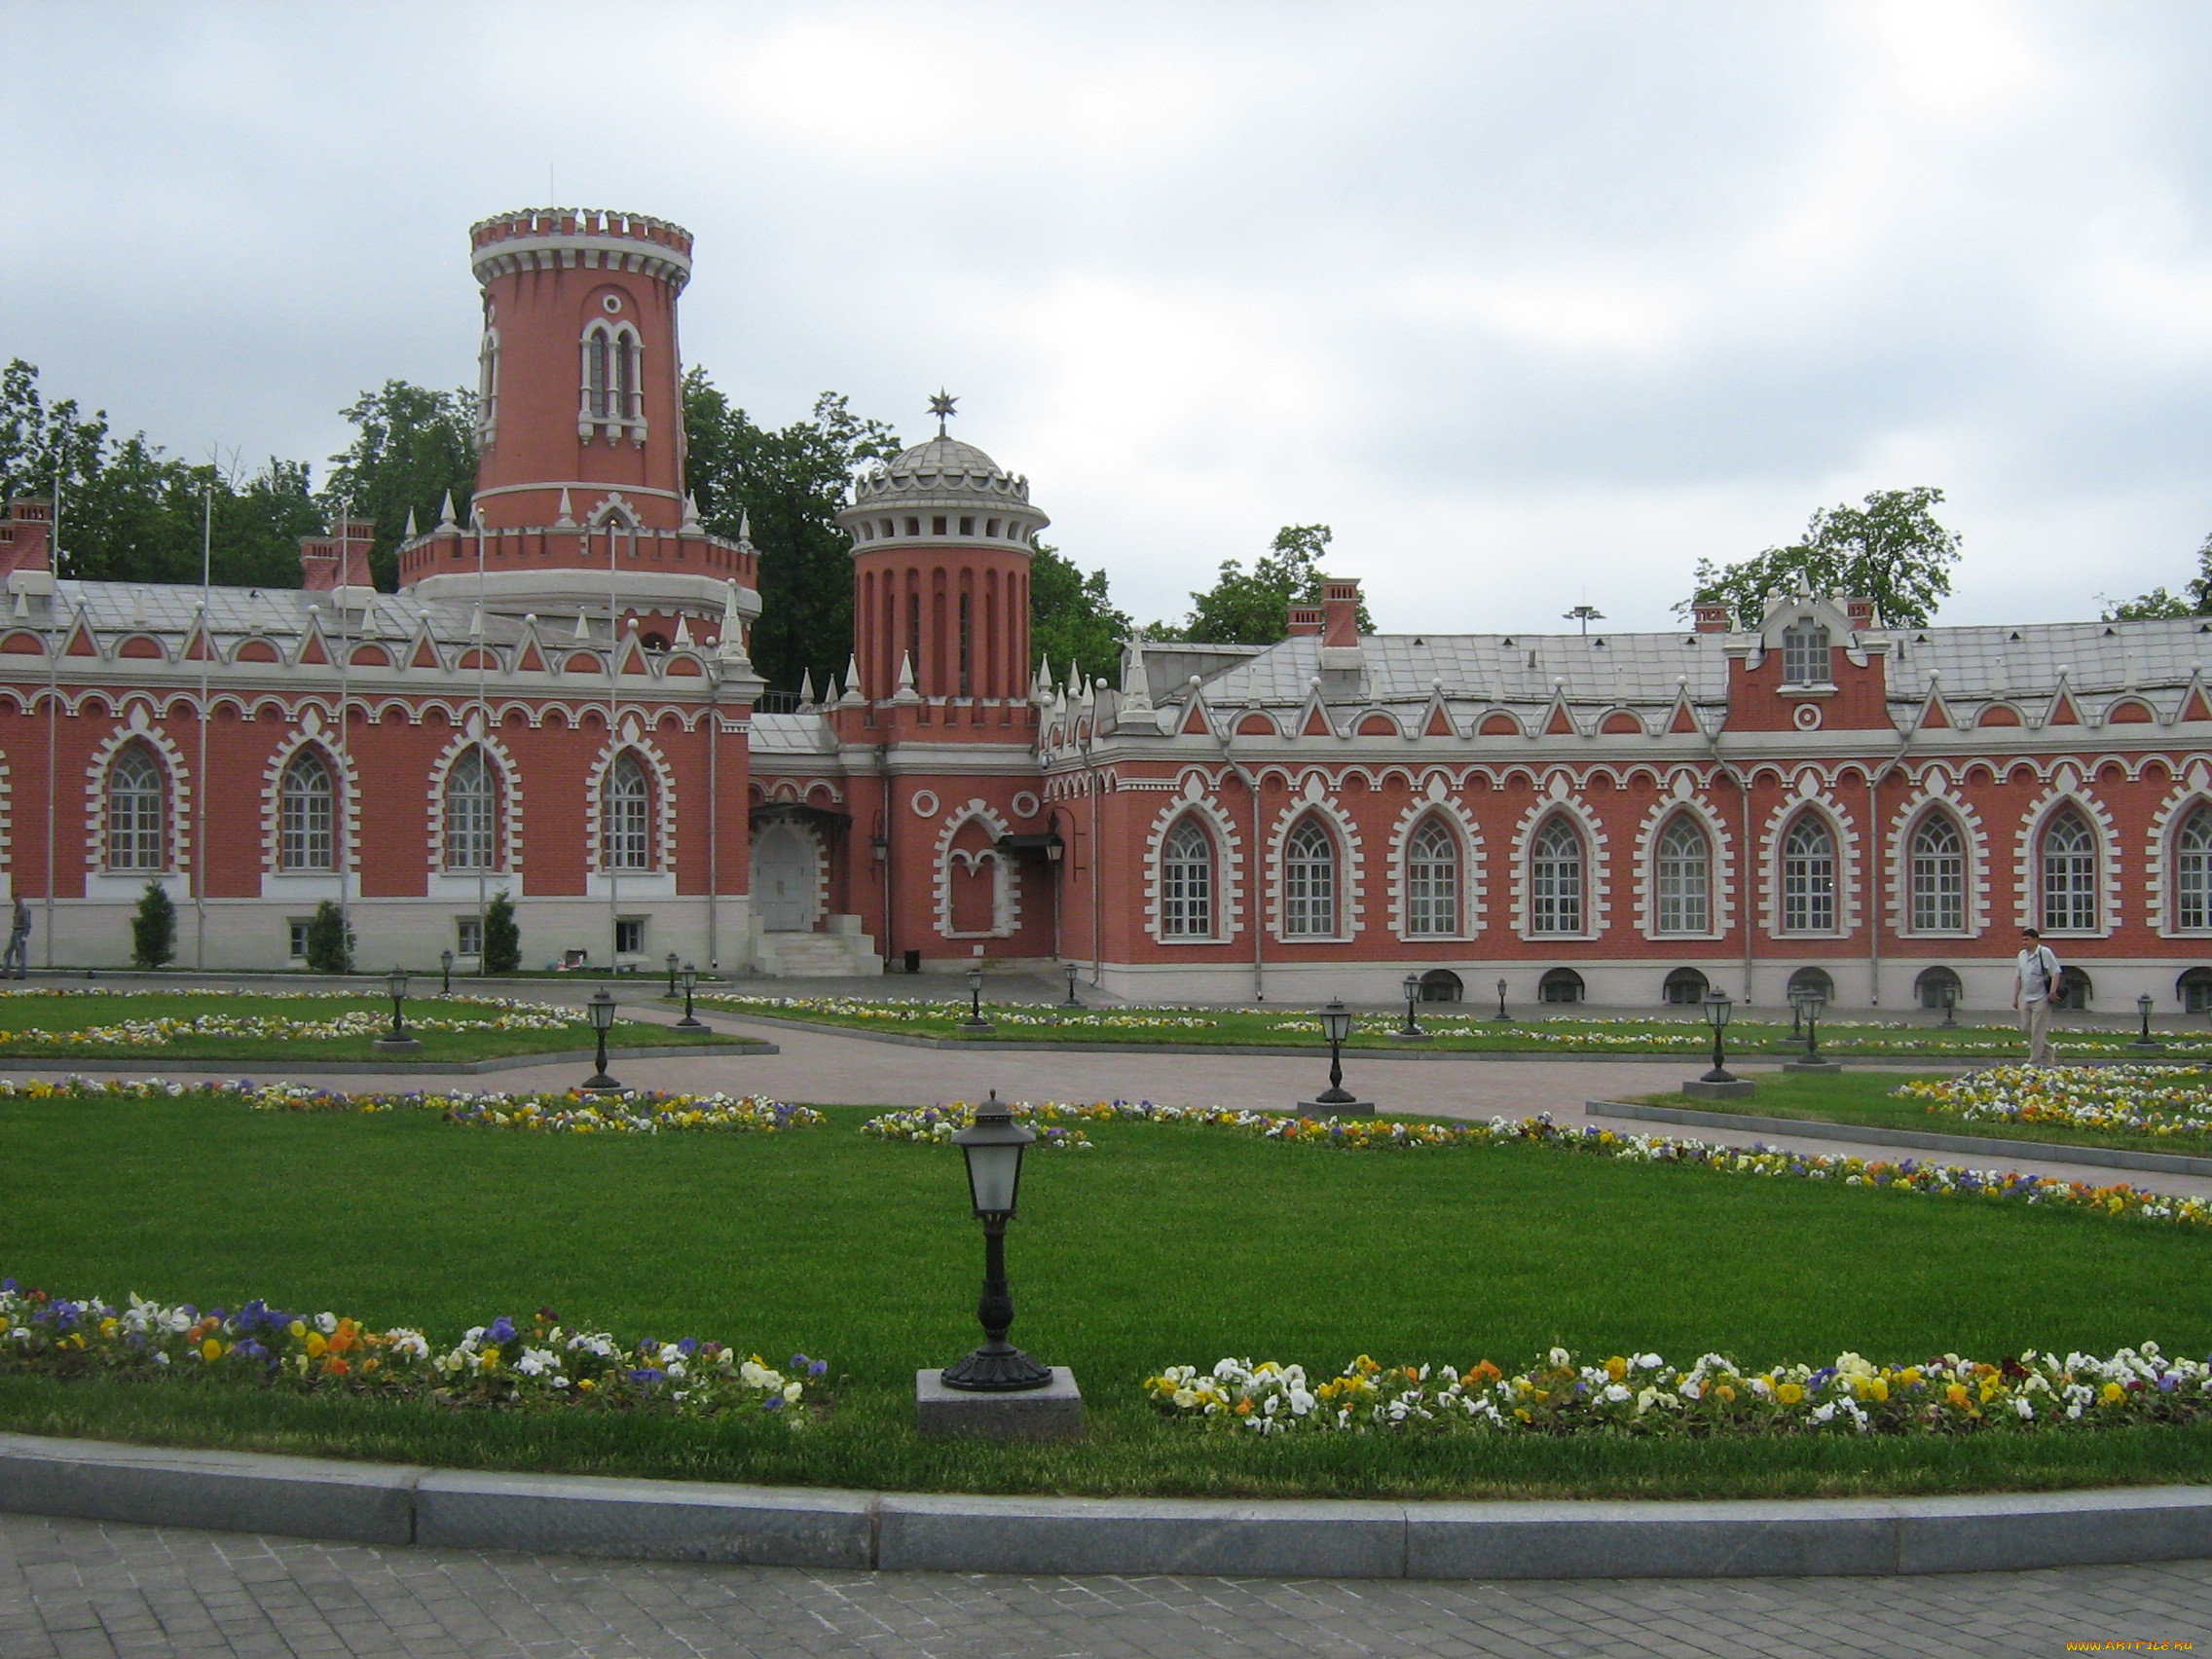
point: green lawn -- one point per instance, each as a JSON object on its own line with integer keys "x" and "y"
{"x": 1870, "y": 1098}
{"x": 1461, "y": 1031}
{"x": 47, "y": 1021}
{"x": 1165, "y": 1244}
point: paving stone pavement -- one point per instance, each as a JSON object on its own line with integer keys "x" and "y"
{"x": 81, "y": 1590}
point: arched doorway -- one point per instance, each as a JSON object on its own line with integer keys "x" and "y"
{"x": 786, "y": 875}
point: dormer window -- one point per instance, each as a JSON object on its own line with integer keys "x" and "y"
{"x": 613, "y": 376}
{"x": 1805, "y": 656}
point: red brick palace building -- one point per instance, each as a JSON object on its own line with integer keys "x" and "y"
{"x": 558, "y": 704}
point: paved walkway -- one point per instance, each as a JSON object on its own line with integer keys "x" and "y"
{"x": 79, "y": 1590}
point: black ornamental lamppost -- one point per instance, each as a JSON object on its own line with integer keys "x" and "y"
{"x": 1336, "y": 1099}
{"x": 1717, "y": 1008}
{"x": 1501, "y": 999}
{"x": 1072, "y": 970}
{"x": 1410, "y": 988}
{"x": 2143, "y": 1006}
{"x": 1950, "y": 1007}
{"x": 976, "y": 1020}
{"x": 689, "y": 976}
{"x": 396, "y": 1041}
{"x": 445, "y": 973}
{"x": 672, "y": 973}
{"x": 602, "y": 1010}
{"x": 1811, "y": 1003}
{"x": 993, "y": 1146}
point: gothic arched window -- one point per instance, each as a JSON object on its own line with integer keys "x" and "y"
{"x": 2192, "y": 871}
{"x": 135, "y": 837}
{"x": 1186, "y": 882}
{"x": 1309, "y": 881}
{"x": 1938, "y": 877}
{"x": 2069, "y": 874}
{"x": 1555, "y": 879}
{"x": 1685, "y": 877}
{"x": 1432, "y": 879}
{"x": 626, "y": 827}
{"x": 471, "y": 813}
{"x": 305, "y": 814}
{"x": 1808, "y": 876}
{"x": 488, "y": 384}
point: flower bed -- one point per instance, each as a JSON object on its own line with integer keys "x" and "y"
{"x": 1645, "y": 1395}
{"x": 2152, "y": 1100}
{"x": 900, "y": 1009}
{"x": 507, "y": 1013}
{"x": 936, "y": 1125}
{"x": 1361, "y": 1134}
{"x": 542, "y": 1363}
{"x": 633, "y": 1112}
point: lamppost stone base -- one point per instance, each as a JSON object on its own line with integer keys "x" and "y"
{"x": 1053, "y": 1412}
{"x": 1735, "y": 1089}
{"x": 1813, "y": 1067}
{"x": 1335, "y": 1108}
{"x": 396, "y": 1046}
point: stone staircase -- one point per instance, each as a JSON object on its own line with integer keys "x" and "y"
{"x": 835, "y": 955}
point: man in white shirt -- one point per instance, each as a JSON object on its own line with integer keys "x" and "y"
{"x": 2035, "y": 987}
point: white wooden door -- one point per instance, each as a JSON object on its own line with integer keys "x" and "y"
{"x": 784, "y": 879}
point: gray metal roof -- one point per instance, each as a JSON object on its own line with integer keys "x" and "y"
{"x": 166, "y": 609}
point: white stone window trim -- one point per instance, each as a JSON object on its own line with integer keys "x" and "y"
{"x": 2191, "y": 791}
{"x": 1006, "y": 886}
{"x": 1597, "y": 865}
{"x": 1720, "y": 872}
{"x": 137, "y": 726}
{"x": 506, "y": 803}
{"x": 634, "y": 739}
{"x": 1351, "y": 889}
{"x": 1473, "y": 895}
{"x": 1808, "y": 795}
{"x": 1227, "y": 868}
{"x": 346, "y": 804}
{"x": 1936, "y": 794}
{"x": 2067, "y": 788}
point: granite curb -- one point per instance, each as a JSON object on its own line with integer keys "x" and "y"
{"x": 1922, "y": 1140}
{"x": 592, "y": 1515}
{"x": 151, "y": 1063}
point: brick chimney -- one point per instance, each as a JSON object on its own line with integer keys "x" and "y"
{"x": 1711, "y": 618}
{"x": 1305, "y": 621}
{"x": 1862, "y": 612}
{"x": 26, "y": 541}
{"x": 339, "y": 559}
{"x": 1340, "y": 625}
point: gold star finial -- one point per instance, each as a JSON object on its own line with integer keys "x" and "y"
{"x": 942, "y": 407}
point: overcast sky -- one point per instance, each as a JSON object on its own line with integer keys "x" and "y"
{"x": 1532, "y": 303}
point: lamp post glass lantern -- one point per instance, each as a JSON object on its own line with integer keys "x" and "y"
{"x": 2143, "y": 1006}
{"x": 601, "y": 1008}
{"x": 395, "y": 982}
{"x": 1072, "y": 971}
{"x": 1950, "y": 1006}
{"x": 445, "y": 973}
{"x": 1810, "y": 1004}
{"x": 689, "y": 977}
{"x": 993, "y": 1146}
{"x": 1501, "y": 999}
{"x": 1410, "y": 987}
{"x": 1336, "y": 1026}
{"x": 976, "y": 1020}
{"x": 672, "y": 973}
{"x": 1717, "y": 1008}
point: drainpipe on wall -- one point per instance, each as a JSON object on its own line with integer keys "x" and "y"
{"x": 1091, "y": 768}
{"x": 883, "y": 817}
{"x": 714, "y": 818}
{"x": 1253, "y": 877}
{"x": 1877, "y": 866}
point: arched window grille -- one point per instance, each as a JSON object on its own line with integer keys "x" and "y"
{"x": 613, "y": 375}
{"x": 1433, "y": 880}
{"x": 306, "y": 799}
{"x": 135, "y": 837}
{"x": 1938, "y": 877}
{"x": 1806, "y": 659}
{"x": 2069, "y": 874}
{"x": 1555, "y": 879}
{"x": 1186, "y": 883}
{"x": 626, "y": 834}
{"x": 1685, "y": 877}
{"x": 1808, "y": 876}
{"x": 471, "y": 813}
{"x": 1309, "y": 881}
{"x": 599, "y": 372}
{"x": 488, "y": 384}
{"x": 2192, "y": 871}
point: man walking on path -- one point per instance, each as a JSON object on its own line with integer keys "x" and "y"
{"x": 2035, "y": 989}
{"x": 17, "y": 963}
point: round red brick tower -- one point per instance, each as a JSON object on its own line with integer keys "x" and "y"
{"x": 580, "y": 428}
{"x": 941, "y": 575}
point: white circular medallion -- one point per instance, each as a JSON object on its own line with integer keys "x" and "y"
{"x": 1025, "y": 804}
{"x": 924, "y": 803}
{"x": 613, "y": 303}
{"x": 1808, "y": 716}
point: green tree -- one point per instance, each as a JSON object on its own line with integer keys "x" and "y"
{"x": 1072, "y": 620}
{"x": 330, "y": 939}
{"x": 1252, "y": 608}
{"x": 153, "y": 929}
{"x": 791, "y": 482}
{"x": 1890, "y": 550}
{"x": 503, "y": 938}
{"x": 411, "y": 445}
{"x": 2193, "y": 599}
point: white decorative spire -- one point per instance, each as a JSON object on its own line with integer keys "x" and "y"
{"x": 445, "y": 512}
{"x": 691, "y": 525}
{"x": 730, "y": 653}
{"x": 905, "y": 692}
{"x": 583, "y": 624}
{"x": 568, "y": 515}
{"x": 1137, "y": 688}
{"x": 806, "y": 688}
{"x": 682, "y": 630}
{"x": 852, "y": 694}
{"x": 411, "y": 531}
{"x": 745, "y": 529}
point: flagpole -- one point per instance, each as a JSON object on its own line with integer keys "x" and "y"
{"x": 199, "y": 839}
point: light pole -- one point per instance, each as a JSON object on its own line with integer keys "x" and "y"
{"x": 672, "y": 973}
{"x": 1336, "y": 1026}
{"x": 2143, "y": 1006}
{"x": 1950, "y": 1007}
{"x": 1501, "y": 999}
{"x": 1813, "y": 1002}
{"x": 1808, "y": 1003}
{"x": 689, "y": 976}
{"x": 1717, "y": 1008}
{"x": 396, "y": 1041}
{"x": 1072, "y": 970}
{"x": 1409, "y": 986}
{"x": 976, "y": 1020}
{"x": 602, "y": 1008}
{"x": 445, "y": 973}
{"x": 993, "y": 1146}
